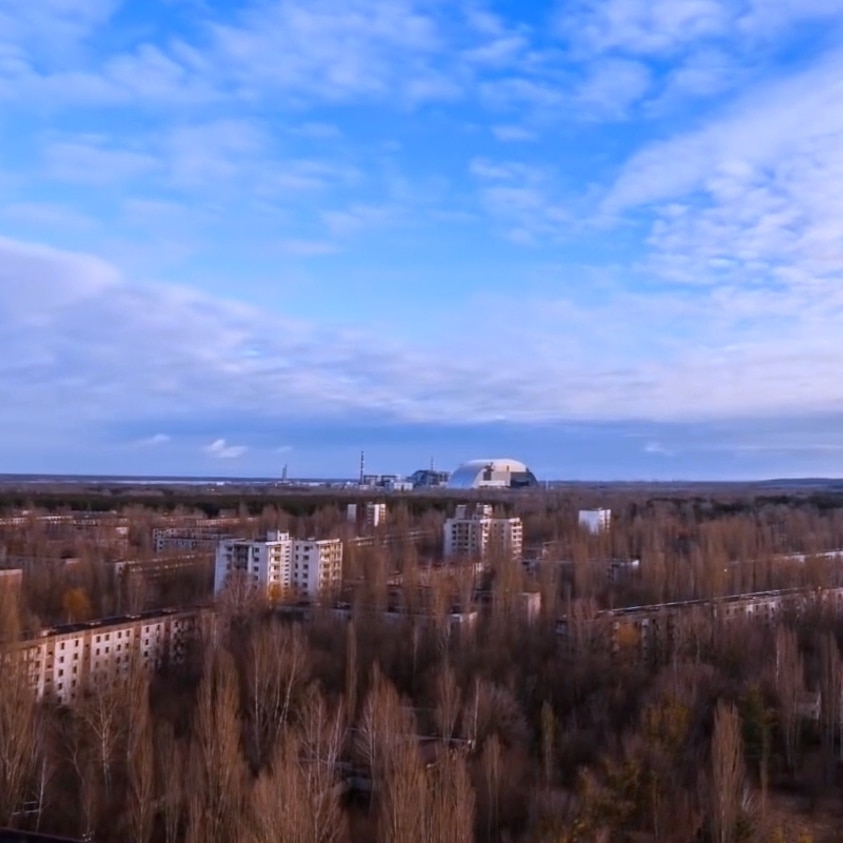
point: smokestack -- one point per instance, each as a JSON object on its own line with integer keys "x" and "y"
{"x": 362, "y": 465}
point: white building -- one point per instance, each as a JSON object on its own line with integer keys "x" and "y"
{"x": 266, "y": 564}
{"x": 65, "y": 660}
{"x": 279, "y": 565}
{"x": 317, "y": 566}
{"x": 371, "y": 514}
{"x": 595, "y": 520}
{"x": 478, "y": 534}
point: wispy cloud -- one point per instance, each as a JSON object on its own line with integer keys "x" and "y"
{"x": 220, "y": 449}
{"x": 187, "y": 352}
{"x": 154, "y": 441}
{"x": 510, "y": 133}
{"x": 684, "y": 265}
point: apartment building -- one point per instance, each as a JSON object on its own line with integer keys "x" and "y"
{"x": 658, "y": 628}
{"x": 64, "y": 660}
{"x": 266, "y": 563}
{"x": 595, "y": 520}
{"x": 475, "y": 533}
{"x": 172, "y": 578}
{"x": 317, "y": 566}
{"x": 186, "y": 540}
{"x": 280, "y": 565}
{"x": 366, "y": 515}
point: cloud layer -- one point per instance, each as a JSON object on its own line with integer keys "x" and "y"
{"x": 216, "y": 226}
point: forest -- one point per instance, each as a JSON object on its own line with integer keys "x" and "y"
{"x": 367, "y": 727}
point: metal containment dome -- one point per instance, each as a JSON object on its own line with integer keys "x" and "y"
{"x": 492, "y": 474}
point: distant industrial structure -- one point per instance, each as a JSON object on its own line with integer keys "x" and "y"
{"x": 475, "y": 533}
{"x": 492, "y": 474}
{"x": 429, "y": 478}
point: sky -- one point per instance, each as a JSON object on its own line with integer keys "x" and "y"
{"x": 604, "y": 237}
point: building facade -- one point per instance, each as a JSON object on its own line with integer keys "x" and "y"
{"x": 62, "y": 662}
{"x": 368, "y": 514}
{"x": 595, "y": 520}
{"x": 478, "y": 534}
{"x": 317, "y": 566}
{"x": 186, "y": 540}
{"x": 280, "y": 566}
{"x": 661, "y": 627}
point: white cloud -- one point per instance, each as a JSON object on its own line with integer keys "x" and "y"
{"x": 665, "y": 27}
{"x": 519, "y": 196}
{"x": 90, "y": 160}
{"x": 220, "y": 449}
{"x": 154, "y": 441}
{"x": 508, "y": 133}
{"x": 46, "y": 214}
{"x": 324, "y": 48}
{"x": 749, "y": 202}
{"x": 658, "y": 448}
{"x": 53, "y": 27}
{"x": 123, "y": 353}
{"x": 613, "y": 85}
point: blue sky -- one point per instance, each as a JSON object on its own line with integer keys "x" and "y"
{"x": 604, "y": 236}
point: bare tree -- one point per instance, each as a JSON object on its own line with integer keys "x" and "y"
{"x": 140, "y": 767}
{"x": 403, "y": 802}
{"x": 383, "y": 725}
{"x": 351, "y": 670}
{"x": 727, "y": 773}
{"x": 789, "y": 678}
{"x": 44, "y": 762}
{"x": 830, "y": 677}
{"x": 450, "y": 800}
{"x": 82, "y": 755}
{"x": 171, "y": 763}
{"x": 448, "y": 703}
{"x": 101, "y": 712}
{"x": 322, "y": 733}
{"x": 490, "y": 762}
{"x": 548, "y": 725}
{"x": 217, "y": 772}
{"x": 17, "y": 733}
{"x": 298, "y": 799}
{"x": 274, "y": 670}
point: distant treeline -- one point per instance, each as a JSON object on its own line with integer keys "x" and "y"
{"x": 299, "y": 503}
